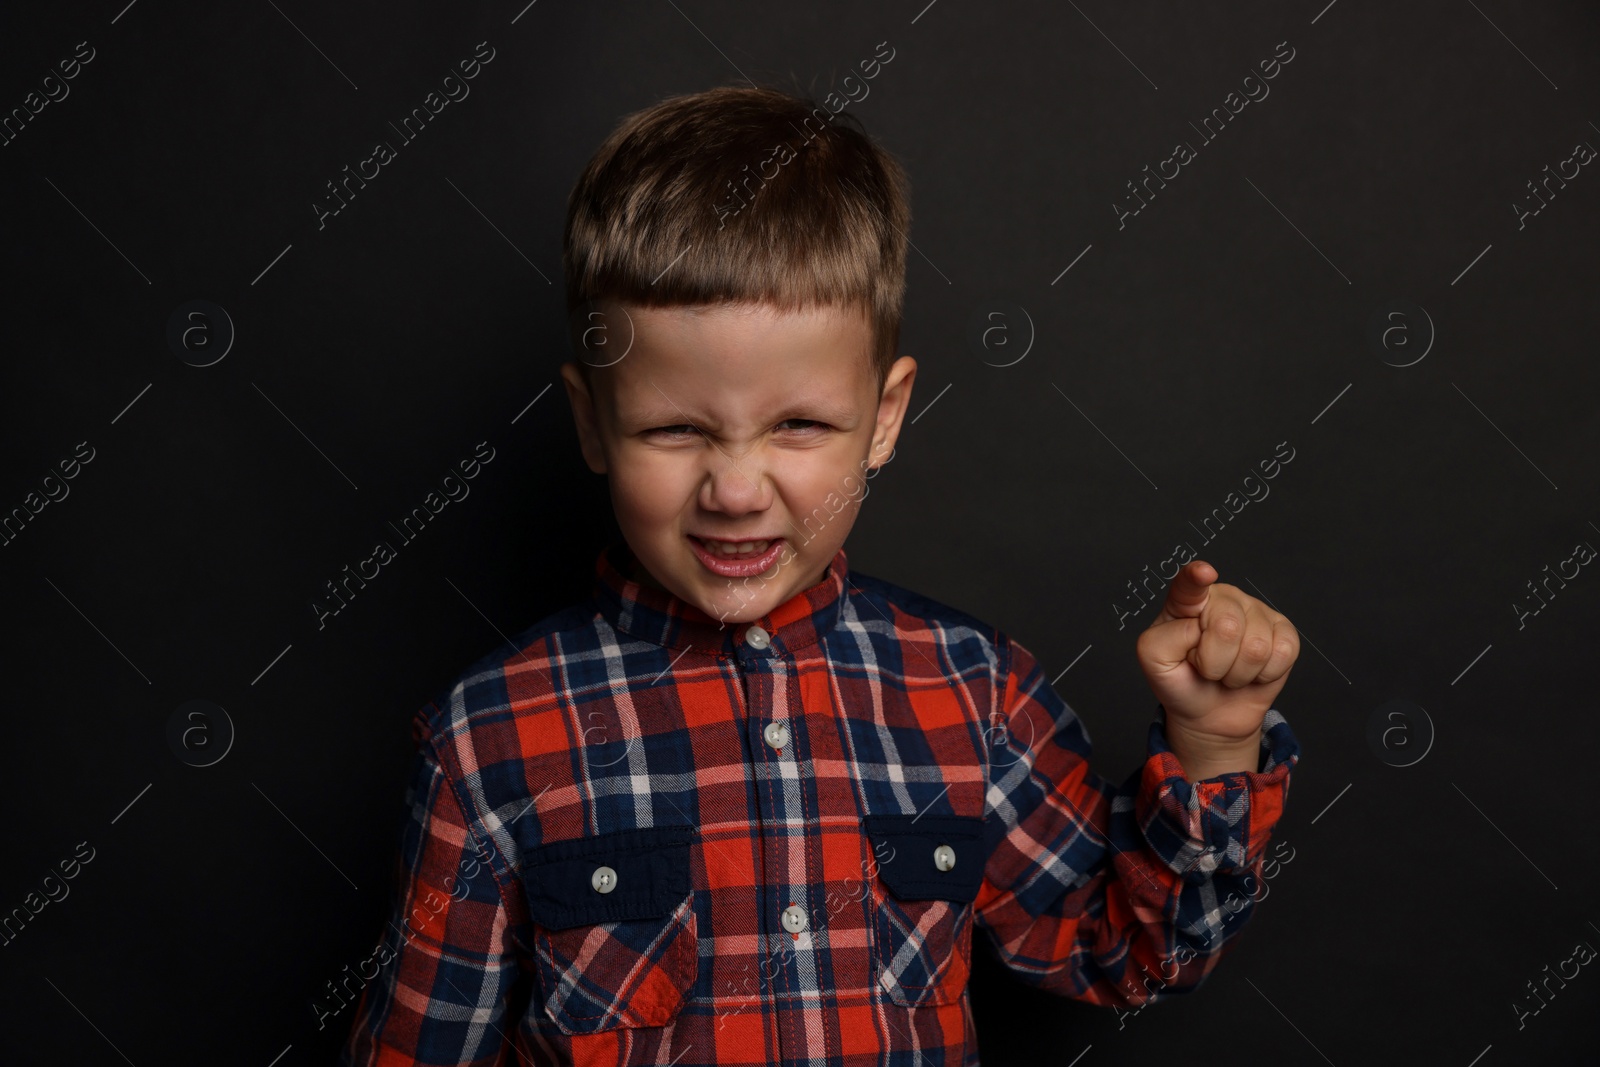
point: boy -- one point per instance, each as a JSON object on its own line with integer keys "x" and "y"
{"x": 746, "y": 805}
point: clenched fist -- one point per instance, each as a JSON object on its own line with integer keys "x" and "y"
{"x": 1216, "y": 658}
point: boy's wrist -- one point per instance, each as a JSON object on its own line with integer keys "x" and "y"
{"x": 1204, "y": 756}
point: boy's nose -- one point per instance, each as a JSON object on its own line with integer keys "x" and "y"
{"x": 736, "y": 484}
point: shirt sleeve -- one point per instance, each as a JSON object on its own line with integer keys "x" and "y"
{"x": 1116, "y": 895}
{"x": 447, "y": 962}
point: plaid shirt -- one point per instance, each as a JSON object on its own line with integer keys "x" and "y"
{"x": 645, "y": 837}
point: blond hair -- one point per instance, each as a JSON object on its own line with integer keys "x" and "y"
{"x": 739, "y": 196}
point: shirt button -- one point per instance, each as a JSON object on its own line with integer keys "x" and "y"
{"x": 756, "y": 637}
{"x": 777, "y": 734}
{"x": 944, "y": 857}
{"x": 794, "y": 919}
{"x": 604, "y": 879}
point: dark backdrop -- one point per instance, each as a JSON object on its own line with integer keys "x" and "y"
{"x": 1352, "y": 271}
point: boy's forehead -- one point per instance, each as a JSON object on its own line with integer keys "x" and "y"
{"x": 826, "y": 348}
{"x": 734, "y": 321}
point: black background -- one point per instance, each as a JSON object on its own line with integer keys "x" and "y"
{"x": 371, "y": 355}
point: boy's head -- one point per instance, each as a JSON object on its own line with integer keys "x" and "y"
{"x": 735, "y": 269}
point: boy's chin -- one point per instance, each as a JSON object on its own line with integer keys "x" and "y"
{"x": 730, "y": 609}
{"x": 742, "y": 614}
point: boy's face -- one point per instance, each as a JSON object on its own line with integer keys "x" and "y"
{"x": 736, "y": 424}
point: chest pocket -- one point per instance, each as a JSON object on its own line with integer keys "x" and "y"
{"x": 616, "y": 938}
{"x": 930, "y": 868}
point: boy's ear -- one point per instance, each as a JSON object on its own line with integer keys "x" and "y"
{"x": 892, "y": 405}
{"x": 583, "y": 414}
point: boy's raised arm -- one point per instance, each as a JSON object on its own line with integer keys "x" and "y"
{"x": 449, "y": 956}
{"x": 1111, "y": 894}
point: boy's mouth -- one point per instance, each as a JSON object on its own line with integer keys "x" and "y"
{"x": 737, "y": 559}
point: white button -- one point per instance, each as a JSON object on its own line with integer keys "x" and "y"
{"x": 756, "y": 637}
{"x": 604, "y": 879}
{"x": 794, "y": 919}
{"x": 944, "y": 857}
{"x": 777, "y": 734}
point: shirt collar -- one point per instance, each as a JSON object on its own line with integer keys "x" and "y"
{"x": 663, "y": 618}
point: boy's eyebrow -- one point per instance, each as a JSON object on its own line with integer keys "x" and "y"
{"x": 819, "y": 411}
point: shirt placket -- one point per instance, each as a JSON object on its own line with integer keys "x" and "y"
{"x": 789, "y": 960}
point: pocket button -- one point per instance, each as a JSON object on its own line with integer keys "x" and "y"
{"x": 604, "y": 879}
{"x": 944, "y": 857}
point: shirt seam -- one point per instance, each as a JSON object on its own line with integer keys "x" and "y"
{"x": 474, "y": 817}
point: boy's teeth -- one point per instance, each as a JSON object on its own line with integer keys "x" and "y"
{"x": 735, "y": 548}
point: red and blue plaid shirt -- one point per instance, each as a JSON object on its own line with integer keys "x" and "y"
{"x": 647, "y": 837}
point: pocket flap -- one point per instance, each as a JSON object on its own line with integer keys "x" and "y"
{"x": 649, "y": 877}
{"x": 911, "y": 870}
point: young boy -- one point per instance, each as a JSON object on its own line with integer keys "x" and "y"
{"x": 746, "y": 805}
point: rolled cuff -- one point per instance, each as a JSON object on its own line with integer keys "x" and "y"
{"x": 1218, "y": 824}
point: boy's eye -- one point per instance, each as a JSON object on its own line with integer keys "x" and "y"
{"x": 684, "y": 430}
